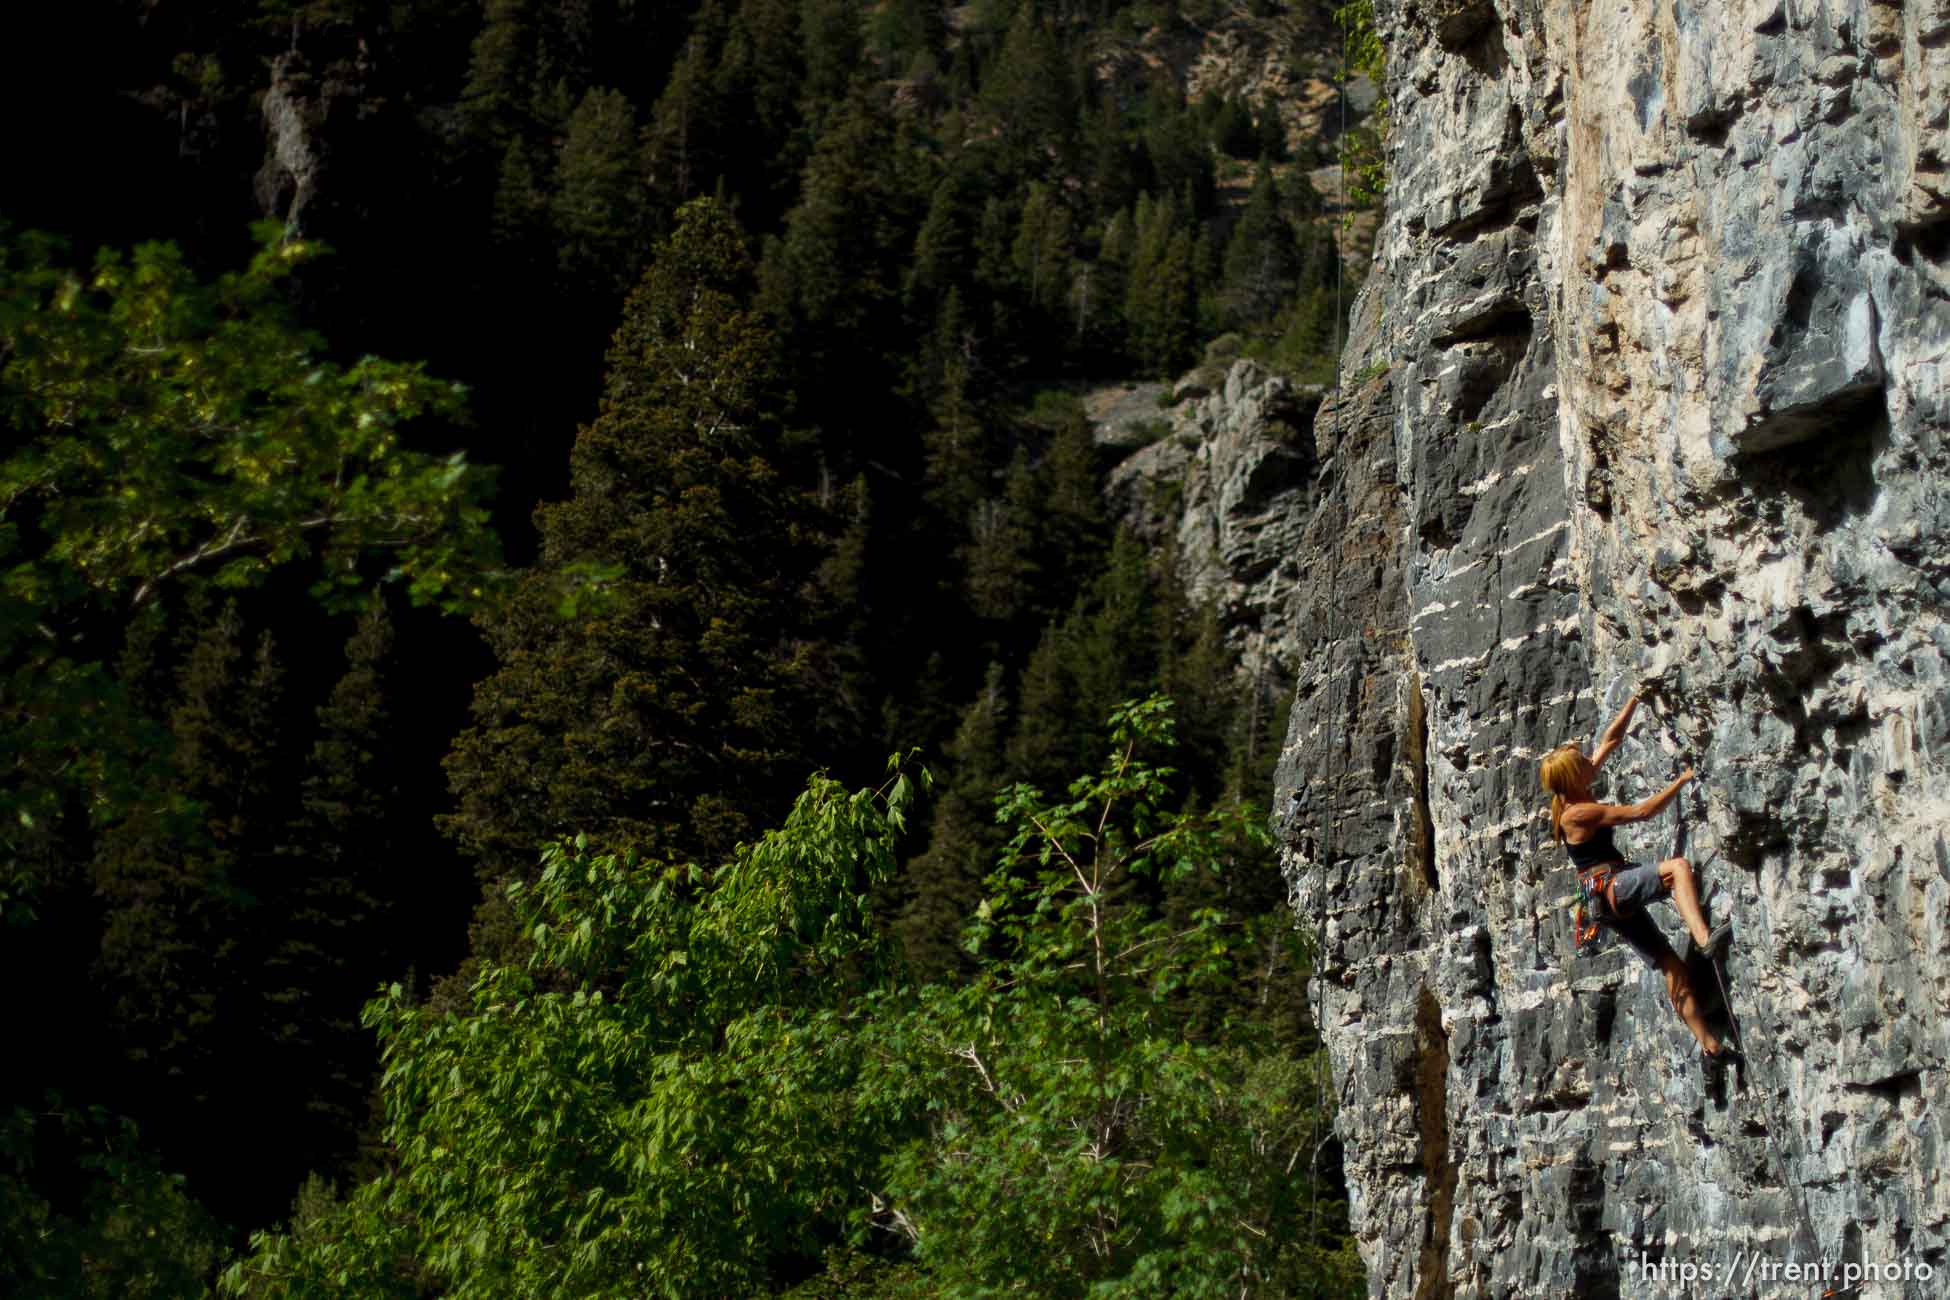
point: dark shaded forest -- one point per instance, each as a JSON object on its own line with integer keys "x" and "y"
{"x": 488, "y": 485}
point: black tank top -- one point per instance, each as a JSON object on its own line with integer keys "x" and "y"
{"x": 1594, "y": 852}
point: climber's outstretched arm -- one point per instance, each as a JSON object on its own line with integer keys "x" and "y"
{"x": 1595, "y": 815}
{"x": 1614, "y": 734}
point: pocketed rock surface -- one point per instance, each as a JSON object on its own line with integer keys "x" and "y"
{"x": 1648, "y": 386}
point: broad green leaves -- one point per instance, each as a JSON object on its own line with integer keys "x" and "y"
{"x": 167, "y": 434}
{"x": 701, "y": 1081}
{"x": 1084, "y": 1137}
{"x": 168, "y": 430}
{"x": 660, "y": 1103}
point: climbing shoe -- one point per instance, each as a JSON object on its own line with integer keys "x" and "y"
{"x": 1720, "y": 1060}
{"x": 1715, "y": 944}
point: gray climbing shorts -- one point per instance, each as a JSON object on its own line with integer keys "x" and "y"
{"x": 1632, "y": 888}
{"x": 1635, "y": 886}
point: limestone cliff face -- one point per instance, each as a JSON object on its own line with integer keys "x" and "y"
{"x": 1227, "y": 489}
{"x": 1652, "y": 389}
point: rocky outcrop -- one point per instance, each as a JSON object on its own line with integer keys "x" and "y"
{"x": 1653, "y": 363}
{"x": 1226, "y": 487}
{"x": 1282, "y": 59}
{"x": 311, "y": 116}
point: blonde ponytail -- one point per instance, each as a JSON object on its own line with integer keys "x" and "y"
{"x": 1560, "y": 773}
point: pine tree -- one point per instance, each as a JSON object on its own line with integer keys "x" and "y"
{"x": 172, "y": 872}
{"x": 597, "y": 211}
{"x": 1306, "y": 349}
{"x": 1029, "y": 97}
{"x": 1270, "y": 131}
{"x": 1160, "y": 306}
{"x": 833, "y": 281}
{"x": 1001, "y": 561}
{"x": 1232, "y": 129}
{"x": 956, "y": 444}
{"x": 194, "y": 900}
{"x": 761, "y": 83}
{"x": 683, "y": 153}
{"x": 519, "y": 218}
{"x": 1104, "y": 646}
{"x": 1119, "y": 167}
{"x": 649, "y": 691}
{"x": 494, "y": 102}
{"x": 1178, "y": 160}
{"x": 944, "y": 883}
{"x": 1262, "y": 258}
{"x": 1070, "y": 519}
{"x": 995, "y": 268}
{"x": 909, "y": 35}
{"x": 1042, "y": 252}
{"x": 841, "y": 670}
{"x": 834, "y": 40}
{"x": 343, "y": 880}
{"x": 941, "y": 247}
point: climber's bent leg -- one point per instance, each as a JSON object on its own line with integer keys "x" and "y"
{"x": 1677, "y": 873}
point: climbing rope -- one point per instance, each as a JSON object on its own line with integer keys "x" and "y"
{"x": 1331, "y": 832}
{"x": 1787, "y": 1183}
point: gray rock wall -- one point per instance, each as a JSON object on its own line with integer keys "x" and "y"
{"x": 1663, "y": 302}
{"x": 1227, "y": 491}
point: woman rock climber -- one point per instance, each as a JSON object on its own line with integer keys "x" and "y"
{"x": 1584, "y": 827}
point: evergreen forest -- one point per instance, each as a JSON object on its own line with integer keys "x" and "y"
{"x": 576, "y": 720}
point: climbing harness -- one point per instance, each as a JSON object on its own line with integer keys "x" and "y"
{"x": 1593, "y": 904}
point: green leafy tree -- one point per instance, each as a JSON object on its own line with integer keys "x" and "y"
{"x": 169, "y": 436}
{"x": 1364, "y": 151}
{"x": 663, "y": 1102}
{"x": 704, "y": 1081}
{"x": 1083, "y": 1138}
